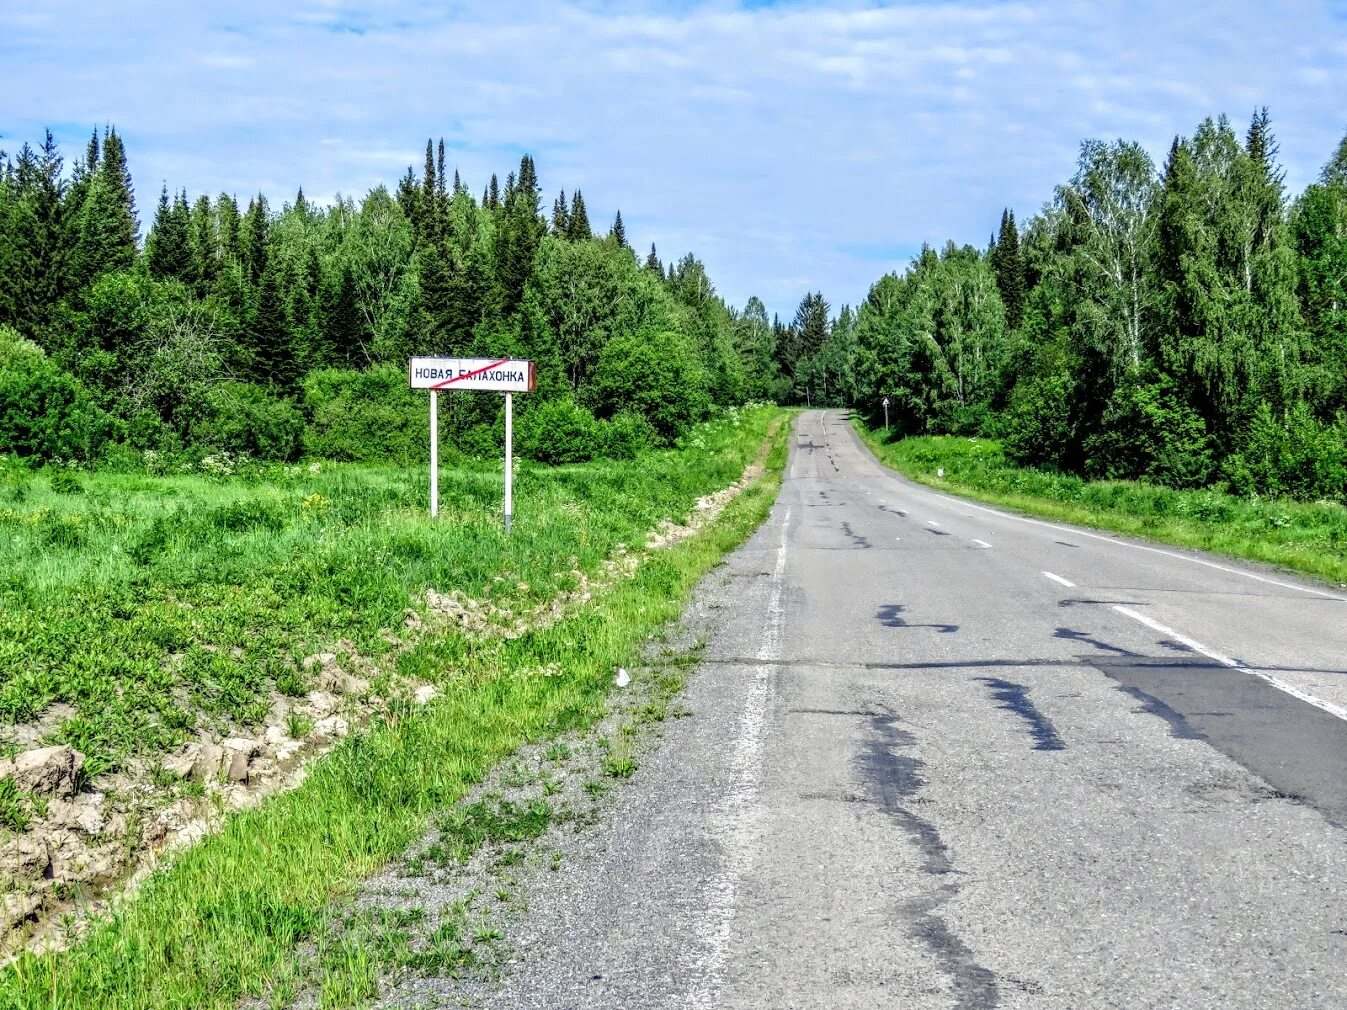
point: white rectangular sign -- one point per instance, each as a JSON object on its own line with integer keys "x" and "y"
{"x": 497, "y": 375}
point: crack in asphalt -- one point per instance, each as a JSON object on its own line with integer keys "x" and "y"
{"x": 897, "y": 777}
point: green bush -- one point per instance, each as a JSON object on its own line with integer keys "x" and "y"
{"x": 626, "y": 435}
{"x": 656, "y": 374}
{"x": 365, "y": 416}
{"x": 242, "y": 418}
{"x": 558, "y": 431}
{"x": 47, "y": 414}
{"x": 1038, "y": 428}
{"x": 1148, "y": 433}
{"x": 1297, "y": 456}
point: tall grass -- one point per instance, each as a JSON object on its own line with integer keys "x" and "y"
{"x": 1310, "y": 537}
{"x": 224, "y": 922}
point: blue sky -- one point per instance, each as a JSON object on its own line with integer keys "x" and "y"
{"x": 793, "y": 146}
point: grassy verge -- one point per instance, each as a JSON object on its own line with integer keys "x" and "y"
{"x": 1306, "y": 537}
{"x": 158, "y": 608}
{"x": 223, "y": 922}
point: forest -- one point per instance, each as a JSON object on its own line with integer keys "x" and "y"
{"x": 233, "y": 331}
{"x": 1184, "y": 325}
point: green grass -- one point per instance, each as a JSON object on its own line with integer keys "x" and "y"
{"x": 227, "y": 919}
{"x": 159, "y": 606}
{"x": 1307, "y": 537}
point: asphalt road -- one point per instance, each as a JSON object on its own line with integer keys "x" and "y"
{"x": 942, "y": 757}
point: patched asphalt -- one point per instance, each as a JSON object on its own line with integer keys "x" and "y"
{"x": 921, "y": 773}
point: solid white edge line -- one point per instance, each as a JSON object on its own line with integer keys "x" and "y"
{"x": 1058, "y": 578}
{"x": 1196, "y": 646}
{"x": 1077, "y": 531}
{"x": 982, "y": 543}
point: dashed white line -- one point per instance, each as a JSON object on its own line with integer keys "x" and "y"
{"x": 982, "y": 543}
{"x": 1057, "y": 578}
{"x": 932, "y": 522}
{"x": 1234, "y": 664}
{"x": 1076, "y": 531}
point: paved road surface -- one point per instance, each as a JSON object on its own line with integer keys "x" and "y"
{"x": 945, "y": 758}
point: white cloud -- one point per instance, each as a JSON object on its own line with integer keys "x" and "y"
{"x": 789, "y": 146}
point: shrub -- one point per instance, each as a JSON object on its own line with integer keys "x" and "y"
{"x": 558, "y": 431}
{"x": 1297, "y": 455}
{"x": 1149, "y": 433}
{"x": 626, "y": 435}
{"x": 248, "y": 420}
{"x": 1038, "y": 428}
{"x": 47, "y": 414}
{"x": 656, "y": 374}
{"x": 365, "y": 416}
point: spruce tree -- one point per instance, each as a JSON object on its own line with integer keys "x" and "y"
{"x": 205, "y": 243}
{"x": 108, "y": 230}
{"x": 1009, "y": 266}
{"x": 230, "y": 224}
{"x": 254, "y": 231}
{"x": 440, "y": 180}
{"x": 273, "y": 353}
{"x": 579, "y": 230}
{"x": 168, "y": 248}
{"x": 493, "y": 194}
{"x": 560, "y": 216}
{"x": 652, "y": 262}
{"x": 342, "y": 328}
{"x": 519, "y": 235}
{"x": 619, "y": 232}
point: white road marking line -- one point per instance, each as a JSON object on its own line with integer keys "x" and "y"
{"x": 932, "y": 522}
{"x": 1075, "y": 531}
{"x": 739, "y": 817}
{"x": 982, "y": 543}
{"x": 1234, "y": 664}
{"x": 1058, "y": 578}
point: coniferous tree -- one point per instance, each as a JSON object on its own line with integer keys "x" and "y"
{"x": 168, "y": 248}
{"x": 229, "y": 224}
{"x": 108, "y": 229}
{"x": 339, "y": 305}
{"x": 560, "y": 216}
{"x": 520, "y": 233}
{"x": 578, "y": 229}
{"x": 253, "y": 233}
{"x": 273, "y": 354}
{"x": 1009, "y": 266}
{"x": 440, "y": 180}
{"x": 619, "y": 232}
{"x": 493, "y": 194}
{"x": 652, "y": 262}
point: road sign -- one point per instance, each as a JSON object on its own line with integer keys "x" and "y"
{"x": 495, "y": 375}
{"x": 886, "y": 415}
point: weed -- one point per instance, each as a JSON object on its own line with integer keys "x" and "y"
{"x": 14, "y": 813}
{"x": 297, "y": 726}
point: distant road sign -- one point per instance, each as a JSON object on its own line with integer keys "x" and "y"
{"x": 496, "y": 375}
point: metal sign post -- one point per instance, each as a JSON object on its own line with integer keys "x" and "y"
{"x": 509, "y": 460}
{"x": 886, "y": 416}
{"x": 434, "y": 453}
{"x": 497, "y": 375}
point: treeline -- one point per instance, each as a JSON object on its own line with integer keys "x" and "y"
{"x": 1185, "y": 325}
{"x": 238, "y": 328}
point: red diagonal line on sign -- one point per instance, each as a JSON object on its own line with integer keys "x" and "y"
{"x": 470, "y": 375}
